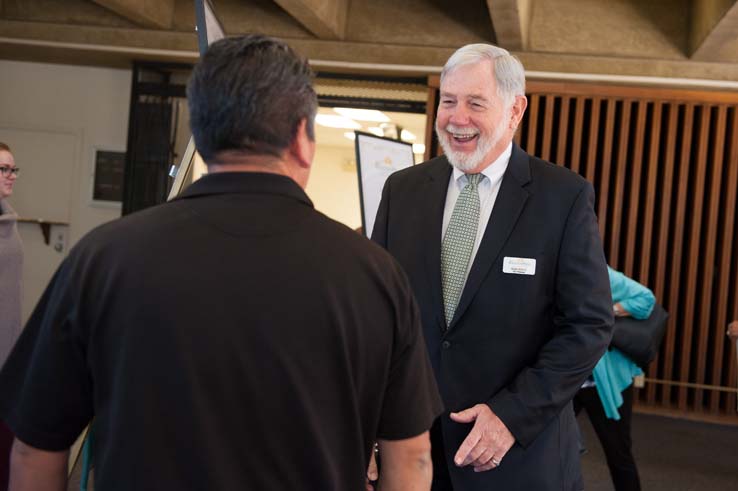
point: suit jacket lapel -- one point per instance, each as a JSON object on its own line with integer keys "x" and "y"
{"x": 434, "y": 194}
{"x": 508, "y": 206}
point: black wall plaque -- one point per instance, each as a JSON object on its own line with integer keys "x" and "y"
{"x": 108, "y": 176}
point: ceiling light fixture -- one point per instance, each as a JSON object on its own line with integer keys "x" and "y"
{"x": 336, "y": 121}
{"x": 362, "y": 114}
{"x": 418, "y": 148}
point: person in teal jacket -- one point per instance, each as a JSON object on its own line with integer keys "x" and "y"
{"x": 607, "y": 396}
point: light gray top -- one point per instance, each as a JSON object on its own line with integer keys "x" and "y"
{"x": 11, "y": 272}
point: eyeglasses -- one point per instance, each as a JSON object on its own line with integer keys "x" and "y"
{"x": 6, "y": 170}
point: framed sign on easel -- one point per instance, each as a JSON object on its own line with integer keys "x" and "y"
{"x": 376, "y": 158}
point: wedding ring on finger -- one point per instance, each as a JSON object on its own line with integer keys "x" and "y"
{"x": 496, "y": 462}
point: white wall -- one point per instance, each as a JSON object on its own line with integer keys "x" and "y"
{"x": 334, "y": 186}
{"x": 88, "y": 107}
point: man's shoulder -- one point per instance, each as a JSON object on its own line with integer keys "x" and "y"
{"x": 339, "y": 236}
{"x": 351, "y": 250}
{"x": 141, "y": 226}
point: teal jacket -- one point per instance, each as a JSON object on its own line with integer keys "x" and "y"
{"x": 615, "y": 371}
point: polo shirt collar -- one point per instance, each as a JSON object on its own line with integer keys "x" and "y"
{"x": 245, "y": 183}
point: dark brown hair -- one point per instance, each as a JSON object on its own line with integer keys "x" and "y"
{"x": 249, "y": 94}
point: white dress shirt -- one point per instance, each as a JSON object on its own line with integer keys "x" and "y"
{"x": 488, "y": 188}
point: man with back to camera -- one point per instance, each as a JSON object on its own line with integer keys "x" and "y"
{"x": 234, "y": 338}
{"x": 503, "y": 253}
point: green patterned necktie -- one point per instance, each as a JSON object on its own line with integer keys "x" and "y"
{"x": 458, "y": 244}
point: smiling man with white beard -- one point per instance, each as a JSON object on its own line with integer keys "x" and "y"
{"x": 504, "y": 256}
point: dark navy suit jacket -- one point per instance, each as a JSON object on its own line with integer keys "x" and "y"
{"x": 523, "y": 344}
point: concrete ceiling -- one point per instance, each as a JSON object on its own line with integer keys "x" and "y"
{"x": 687, "y": 39}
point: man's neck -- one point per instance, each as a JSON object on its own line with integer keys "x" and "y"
{"x": 238, "y": 162}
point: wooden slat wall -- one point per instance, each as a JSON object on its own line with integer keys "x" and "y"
{"x": 725, "y": 277}
{"x": 648, "y": 229}
{"x": 665, "y": 167}
{"x": 620, "y": 173}
{"x": 664, "y": 163}
{"x": 677, "y": 241}
{"x": 659, "y": 278}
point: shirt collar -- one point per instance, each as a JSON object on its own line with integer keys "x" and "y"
{"x": 245, "y": 182}
{"x": 495, "y": 170}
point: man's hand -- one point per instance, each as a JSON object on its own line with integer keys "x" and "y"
{"x": 620, "y": 311}
{"x": 372, "y": 474}
{"x": 733, "y": 330}
{"x": 487, "y": 442}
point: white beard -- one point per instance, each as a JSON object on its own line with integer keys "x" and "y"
{"x": 463, "y": 161}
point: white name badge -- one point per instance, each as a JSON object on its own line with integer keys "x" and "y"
{"x": 519, "y": 265}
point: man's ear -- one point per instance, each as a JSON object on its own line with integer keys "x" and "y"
{"x": 517, "y": 110}
{"x": 302, "y": 147}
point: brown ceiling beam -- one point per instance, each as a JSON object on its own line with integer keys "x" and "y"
{"x": 97, "y": 38}
{"x": 324, "y": 18}
{"x": 714, "y": 30}
{"x": 49, "y": 42}
{"x": 511, "y": 21}
{"x": 157, "y": 14}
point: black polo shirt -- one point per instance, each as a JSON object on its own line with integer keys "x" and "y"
{"x": 234, "y": 338}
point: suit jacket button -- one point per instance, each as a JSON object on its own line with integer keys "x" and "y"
{"x": 446, "y": 344}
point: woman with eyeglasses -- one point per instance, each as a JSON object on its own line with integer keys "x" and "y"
{"x": 11, "y": 264}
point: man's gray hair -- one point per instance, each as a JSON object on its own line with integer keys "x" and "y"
{"x": 509, "y": 72}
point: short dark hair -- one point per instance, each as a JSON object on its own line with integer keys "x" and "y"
{"x": 249, "y": 94}
{"x": 4, "y": 146}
